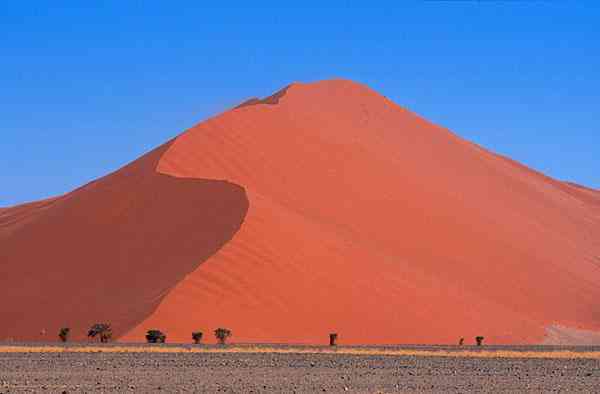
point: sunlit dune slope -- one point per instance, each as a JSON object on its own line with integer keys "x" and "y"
{"x": 359, "y": 217}
{"x": 367, "y": 220}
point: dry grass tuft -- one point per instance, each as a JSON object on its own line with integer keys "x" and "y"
{"x": 558, "y": 354}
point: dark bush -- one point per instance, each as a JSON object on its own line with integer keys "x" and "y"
{"x": 222, "y": 334}
{"x": 479, "y": 340}
{"x": 63, "y": 334}
{"x": 461, "y": 341}
{"x": 333, "y": 339}
{"x": 102, "y": 331}
{"x": 197, "y": 337}
{"x": 155, "y": 336}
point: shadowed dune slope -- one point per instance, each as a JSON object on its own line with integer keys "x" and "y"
{"x": 109, "y": 251}
{"x": 369, "y": 221}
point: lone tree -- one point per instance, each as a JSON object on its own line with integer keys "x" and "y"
{"x": 197, "y": 337}
{"x": 222, "y": 334}
{"x": 461, "y": 341}
{"x": 63, "y": 334}
{"x": 101, "y": 330}
{"x": 479, "y": 340}
{"x": 333, "y": 339}
{"x": 155, "y": 336}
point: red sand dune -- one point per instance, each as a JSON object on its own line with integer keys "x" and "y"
{"x": 359, "y": 217}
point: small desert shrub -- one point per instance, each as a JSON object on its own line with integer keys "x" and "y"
{"x": 197, "y": 337}
{"x": 222, "y": 334}
{"x": 461, "y": 341}
{"x": 101, "y": 330}
{"x": 333, "y": 339}
{"x": 479, "y": 340}
{"x": 63, "y": 334}
{"x": 155, "y": 336}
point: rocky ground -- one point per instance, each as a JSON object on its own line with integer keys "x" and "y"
{"x": 300, "y": 373}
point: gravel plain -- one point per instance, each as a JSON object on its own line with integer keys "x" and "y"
{"x": 246, "y": 371}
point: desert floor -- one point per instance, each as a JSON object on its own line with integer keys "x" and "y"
{"x": 300, "y": 369}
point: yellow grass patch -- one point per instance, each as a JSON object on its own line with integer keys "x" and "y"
{"x": 557, "y": 354}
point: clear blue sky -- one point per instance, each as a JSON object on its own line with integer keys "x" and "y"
{"x": 85, "y": 89}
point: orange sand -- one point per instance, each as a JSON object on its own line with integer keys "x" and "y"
{"x": 363, "y": 219}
